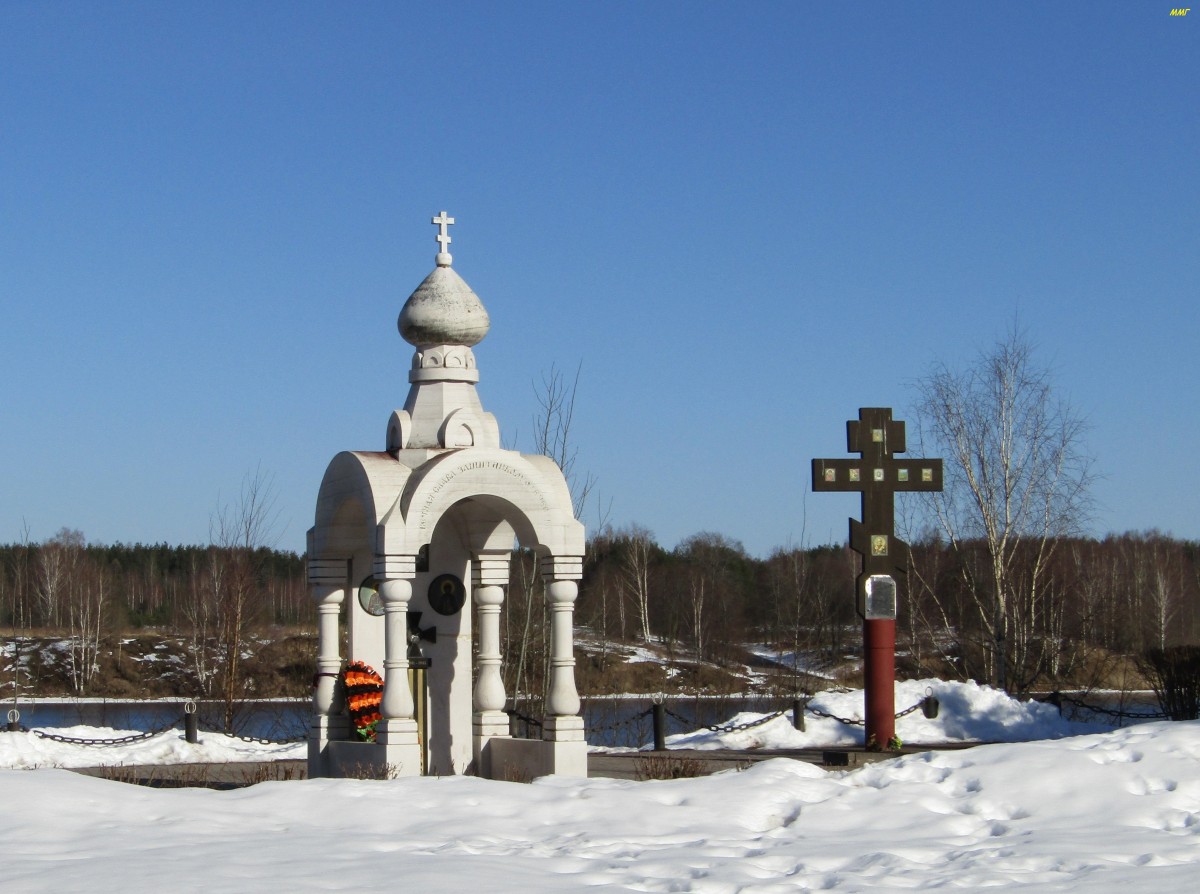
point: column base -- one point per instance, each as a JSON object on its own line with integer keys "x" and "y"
{"x": 486, "y": 726}
{"x": 373, "y": 760}
{"x": 322, "y": 730}
{"x": 563, "y": 728}
{"x": 397, "y": 731}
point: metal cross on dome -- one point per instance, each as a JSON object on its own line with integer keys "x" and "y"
{"x": 443, "y": 237}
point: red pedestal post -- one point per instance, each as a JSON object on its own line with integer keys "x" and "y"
{"x": 879, "y": 674}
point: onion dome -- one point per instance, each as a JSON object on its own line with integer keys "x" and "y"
{"x": 443, "y": 310}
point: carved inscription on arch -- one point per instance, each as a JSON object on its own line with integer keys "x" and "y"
{"x": 425, "y": 509}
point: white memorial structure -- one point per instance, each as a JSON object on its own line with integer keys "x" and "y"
{"x": 410, "y": 540}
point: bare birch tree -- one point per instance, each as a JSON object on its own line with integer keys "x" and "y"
{"x": 637, "y": 544}
{"x": 88, "y": 594}
{"x": 57, "y": 567}
{"x": 1016, "y": 478}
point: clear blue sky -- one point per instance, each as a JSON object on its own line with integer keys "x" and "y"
{"x": 744, "y": 220}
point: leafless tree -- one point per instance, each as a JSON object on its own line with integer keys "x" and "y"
{"x": 552, "y": 431}
{"x": 88, "y": 593}
{"x": 527, "y": 615}
{"x": 205, "y": 589}
{"x": 526, "y": 625}
{"x": 58, "y": 566}
{"x": 242, "y": 532}
{"x": 21, "y": 573}
{"x": 1016, "y": 478}
{"x": 637, "y": 543}
{"x": 707, "y": 557}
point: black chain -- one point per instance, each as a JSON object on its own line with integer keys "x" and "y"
{"x": 1111, "y": 712}
{"x": 524, "y": 718}
{"x": 621, "y": 724}
{"x": 729, "y": 727}
{"x": 856, "y": 721}
{"x": 125, "y": 740}
{"x": 817, "y": 712}
{"x": 257, "y": 740}
{"x": 139, "y": 737}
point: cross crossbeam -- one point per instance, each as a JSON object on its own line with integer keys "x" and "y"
{"x": 443, "y": 237}
{"x": 878, "y": 475}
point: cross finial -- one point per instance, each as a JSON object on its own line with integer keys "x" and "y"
{"x": 443, "y": 239}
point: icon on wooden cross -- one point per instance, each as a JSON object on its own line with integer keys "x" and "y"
{"x": 876, "y": 437}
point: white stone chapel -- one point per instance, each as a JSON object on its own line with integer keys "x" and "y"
{"x": 411, "y": 548}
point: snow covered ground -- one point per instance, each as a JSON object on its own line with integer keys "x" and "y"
{"x": 1102, "y": 812}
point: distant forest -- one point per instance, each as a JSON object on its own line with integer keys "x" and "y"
{"x": 52, "y": 585}
{"x": 1078, "y": 611}
{"x": 1089, "y": 605}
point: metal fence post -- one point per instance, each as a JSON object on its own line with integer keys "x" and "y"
{"x": 660, "y": 726}
{"x": 191, "y": 723}
{"x": 798, "y": 707}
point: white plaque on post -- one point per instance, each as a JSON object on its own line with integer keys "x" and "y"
{"x": 879, "y": 598}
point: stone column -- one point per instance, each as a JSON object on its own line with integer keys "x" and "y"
{"x": 327, "y": 693}
{"x": 562, "y": 722}
{"x": 489, "y": 687}
{"x": 490, "y": 573}
{"x": 327, "y": 581}
{"x": 397, "y": 730}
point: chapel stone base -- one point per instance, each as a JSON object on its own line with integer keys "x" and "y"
{"x": 397, "y": 753}
{"x": 521, "y": 760}
{"x": 373, "y": 760}
{"x": 332, "y": 754}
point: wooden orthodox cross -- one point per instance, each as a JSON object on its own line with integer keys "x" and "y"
{"x": 877, "y": 475}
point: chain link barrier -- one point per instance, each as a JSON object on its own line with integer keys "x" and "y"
{"x": 189, "y": 708}
{"x": 1057, "y": 698}
{"x": 514, "y": 714}
{"x": 859, "y": 721}
{"x": 849, "y": 721}
{"x": 729, "y": 727}
{"x": 101, "y": 743}
{"x": 256, "y": 740}
{"x": 138, "y": 737}
{"x": 622, "y": 724}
